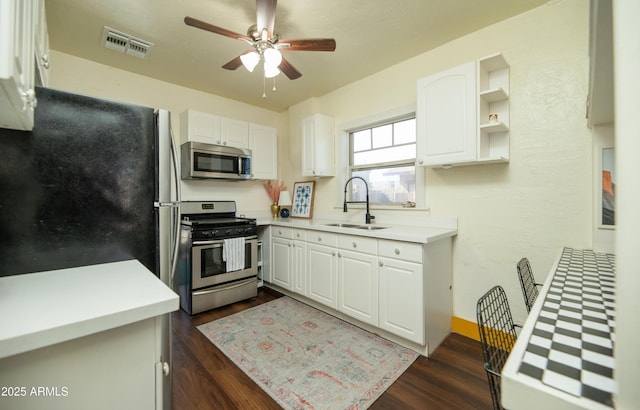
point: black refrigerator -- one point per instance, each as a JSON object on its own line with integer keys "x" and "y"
{"x": 95, "y": 181}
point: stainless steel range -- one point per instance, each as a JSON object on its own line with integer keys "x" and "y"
{"x": 218, "y": 252}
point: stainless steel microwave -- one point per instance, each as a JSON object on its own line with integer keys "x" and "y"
{"x": 199, "y": 160}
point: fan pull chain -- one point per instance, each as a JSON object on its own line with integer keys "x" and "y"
{"x": 274, "y": 84}
{"x": 264, "y": 87}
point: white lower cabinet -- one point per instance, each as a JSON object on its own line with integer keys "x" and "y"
{"x": 401, "y": 294}
{"x": 282, "y": 260}
{"x": 400, "y": 298}
{"x": 403, "y": 288}
{"x": 358, "y": 278}
{"x": 298, "y": 263}
{"x": 322, "y": 272}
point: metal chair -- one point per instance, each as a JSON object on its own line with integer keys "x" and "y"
{"x": 497, "y": 335}
{"x": 527, "y": 283}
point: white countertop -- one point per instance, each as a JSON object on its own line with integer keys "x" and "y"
{"x": 44, "y": 308}
{"x": 418, "y": 234}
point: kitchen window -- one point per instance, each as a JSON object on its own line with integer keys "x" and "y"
{"x": 384, "y": 155}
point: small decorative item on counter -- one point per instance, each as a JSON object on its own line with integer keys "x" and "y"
{"x": 273, "y": 190}
{"x": 493, "y": 117}
{"x": 409, "y": 204}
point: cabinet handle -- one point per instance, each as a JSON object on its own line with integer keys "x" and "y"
{"x": 380, "y": 263}
{"x": 319, "y": 239}
{"x": 420, "y": 161}
{"x": 339, "y": 255}
{"x": 279, "y": 232}
{"x": 397, "y": 251}
{"x": 355, "y": 245}
{"x": 333, "y": 253}
{"x": 297, "y": 235}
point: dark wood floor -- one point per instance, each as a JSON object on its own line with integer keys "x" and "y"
{"x": 203, "y": 378}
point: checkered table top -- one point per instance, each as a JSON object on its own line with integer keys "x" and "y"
{"x": 571, "y": 346}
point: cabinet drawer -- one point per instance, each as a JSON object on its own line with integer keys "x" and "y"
{"x": 406, "y": 251}
{"x": 281, "y": 232}
{"x": 299, "y": 235}
{"x": 322, "y": 238}
{"x": 358, "y": 244}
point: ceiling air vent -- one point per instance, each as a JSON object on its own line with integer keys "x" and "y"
{"x": 124, "y": 43}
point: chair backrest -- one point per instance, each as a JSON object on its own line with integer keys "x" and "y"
{"x": 527, "y": 283}
{"x": 497, "y": 335}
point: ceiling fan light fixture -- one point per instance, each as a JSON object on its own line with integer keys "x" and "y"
{"x": 270, "y": 71}
{"x": 250, "y": 60}
{"x": 272, "y": 57}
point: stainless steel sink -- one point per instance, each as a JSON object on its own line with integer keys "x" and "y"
{"x": 341, "y": 225}
{"x": 356, "y": 226}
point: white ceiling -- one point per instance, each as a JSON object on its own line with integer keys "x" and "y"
{"x": 370, "y": 35}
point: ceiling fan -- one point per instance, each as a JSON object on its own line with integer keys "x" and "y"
{"x": 265, "y": 43}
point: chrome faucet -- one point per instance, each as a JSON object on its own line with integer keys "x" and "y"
{"x": 368, "y": 217}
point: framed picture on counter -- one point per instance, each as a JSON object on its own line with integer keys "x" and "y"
{"x": 303, "y": 199}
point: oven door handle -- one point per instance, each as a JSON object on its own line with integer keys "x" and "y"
{"x": 220, "y": 241}
{"x": 201, "y": 243}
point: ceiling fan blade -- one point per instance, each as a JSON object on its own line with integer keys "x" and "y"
{"x": 233, "y": 64}
{"x": 289, "y": 70}
{"x": 266, "y": 15}
{"x": 190, "y": 21}
{"x": 311, "y": 44}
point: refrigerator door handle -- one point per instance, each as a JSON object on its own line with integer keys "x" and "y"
{"x": 176, "y": 210}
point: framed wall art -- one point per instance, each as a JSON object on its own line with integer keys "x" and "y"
{"x": 608, "y": 188}
{"x": 303, "y": 199}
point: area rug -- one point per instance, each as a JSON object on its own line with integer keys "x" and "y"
{"x": 307, "y": 359}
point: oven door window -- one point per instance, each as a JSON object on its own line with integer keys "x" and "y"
{"x": 209, "y": 269}
{"x": 211, "y": 262}
{"x": 205, "y": 162}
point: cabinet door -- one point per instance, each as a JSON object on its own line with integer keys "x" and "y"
{"x": 235, "y": 133}
{"x": 318, "y": 154}
{"x": 281, "y": 262}
{"x": 358, "y": 285}
{"x": 200, "y": 127}
{"x": 264, "y": 152}
{"x": 299, "y": 267}
{"x": 401, "y": 299}
{"x": 17, "y": 93}
{"x": 446, "y": 117}
{"x": 322, "y": 274}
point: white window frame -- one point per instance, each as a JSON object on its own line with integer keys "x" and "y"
{"x": 343, "y": 154}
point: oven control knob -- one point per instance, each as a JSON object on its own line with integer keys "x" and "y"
{"x": 228, "y": 231}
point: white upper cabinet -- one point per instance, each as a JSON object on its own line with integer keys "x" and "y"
{"x": 17, "y": 93}
{"x": 318, "y": 156}
{"x": 264, "y": 152}
{"x": 200, "y": 127}
{"x": 446, "y": 113}
{"x": 234, "y": 133}
{"x": 212, "y": 129}
{"x": 463, "y": 114}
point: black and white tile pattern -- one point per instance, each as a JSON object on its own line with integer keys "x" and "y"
{"x": 571, "y": 347}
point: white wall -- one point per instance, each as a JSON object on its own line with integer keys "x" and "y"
{"x": 73, "y": 74}
{"x": 626, "y": 51}
{"x": 540, "y": 201}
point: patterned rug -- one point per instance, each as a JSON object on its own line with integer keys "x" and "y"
{"x": 307, "y": 359}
